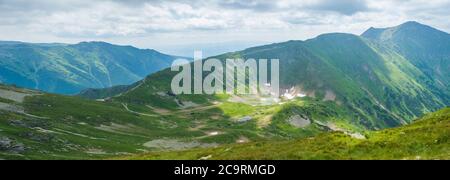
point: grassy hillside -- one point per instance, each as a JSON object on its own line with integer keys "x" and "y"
{"x": 424, "y": 46}
{"x": 369, "y": 78}
{"x": 35, "y": 125}
{"x": 427, "y": 138}
{"x": 383, "y": 85}
{"x": 353, "y": 85}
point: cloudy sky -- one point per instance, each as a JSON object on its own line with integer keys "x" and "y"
{"x": 178, "y": 26}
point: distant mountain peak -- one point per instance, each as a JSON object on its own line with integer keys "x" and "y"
{"x": 335, "y": 36}
{"x": 413, "y": 28}
{"x": 414, "y": 23}
{"x": 373, "y": 33}
{"x": 98, "y": 43}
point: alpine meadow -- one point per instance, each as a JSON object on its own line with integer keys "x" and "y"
{"x": 379, "y": 94}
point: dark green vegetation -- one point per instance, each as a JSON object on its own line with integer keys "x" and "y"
{"x": 428, "y": 138}
{"x": 388, "y": 81}
{"x": 105, "y": 92}
{"x": 68, "y": 69}
{"x": 354, "y": 84}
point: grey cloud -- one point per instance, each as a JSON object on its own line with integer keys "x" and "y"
{"x": 137, "y": 3}
{"x": 255, "y": 5}
{"x": 310, "y": 21}
{"x": 41, "y": 5}
{"x": 345, "y": 7}
{"x": 125, "y": 18}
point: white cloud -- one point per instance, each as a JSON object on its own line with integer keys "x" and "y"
{"x": 157, "y": 23}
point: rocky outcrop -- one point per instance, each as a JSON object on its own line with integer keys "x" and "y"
{"x": 9, "y": 145}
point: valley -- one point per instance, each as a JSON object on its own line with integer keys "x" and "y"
{"x": 61, "y": 127}
{"x": 427, "y": 138}
{"x": 343, "y": 97}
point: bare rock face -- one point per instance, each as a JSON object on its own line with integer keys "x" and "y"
{"x": 299, "y": 122}
{"x": 173, "y": 144}
{"x": 9, "y": 145}
{"x": 18, "y": 123}
{"x": 13, "y": 95}
{"x": 11, "y": 108}
{"x": 5, "y": 143}
{"x": 244, "y": 119}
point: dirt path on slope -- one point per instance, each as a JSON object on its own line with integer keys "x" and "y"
{"x": 201, "y": 108}
{"x": 138, "y": 113}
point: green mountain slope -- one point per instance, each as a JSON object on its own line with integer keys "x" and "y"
{"x": 379, "y": 83}
{"x": 427, "y": 138}
{"x": 68, "y": 69}
{"x": 370, "y": 77}
{"x": 427, "y": 48}
{"x": 353, "y": 84}
{"x": 35, "y": 125}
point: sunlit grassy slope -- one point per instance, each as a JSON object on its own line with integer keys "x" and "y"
{"x": 427, "y": 138}
{"x": 46, "y": 126}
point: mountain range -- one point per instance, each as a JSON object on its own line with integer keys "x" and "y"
{"x": 355, "y": 87}
{"x": 71, "y": 68}
{"x": 387, "y": 77}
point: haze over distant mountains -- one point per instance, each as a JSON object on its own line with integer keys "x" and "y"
{"x": 71, "y": 68}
